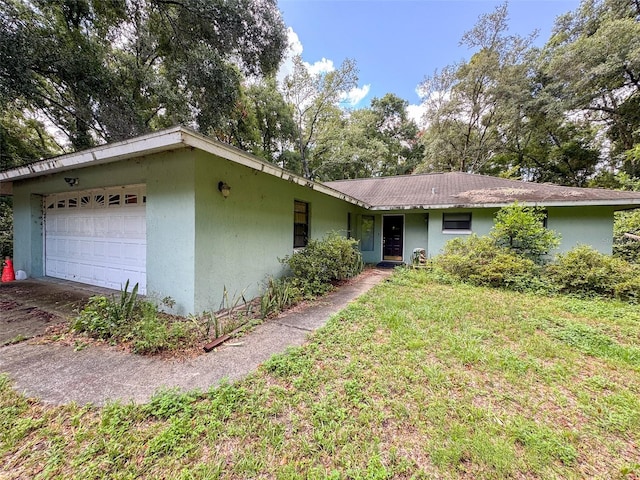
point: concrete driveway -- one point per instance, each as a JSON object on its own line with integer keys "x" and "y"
{"x": 28, "y": 307}
{"x": 59, "y": 374}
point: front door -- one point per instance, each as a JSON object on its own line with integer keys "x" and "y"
{"x": 392, "y": 241}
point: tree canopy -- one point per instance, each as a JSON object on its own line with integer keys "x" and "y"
{"x": 100, "y": 71}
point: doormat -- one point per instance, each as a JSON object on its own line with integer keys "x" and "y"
{"x": 389, "y": 264}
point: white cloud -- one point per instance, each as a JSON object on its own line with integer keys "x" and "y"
{"x": 416, "y": 113}
{"x": 325, "y": 65}
{"x": 294, "y": 48}
{"x": 355, "y": 95}
{"x": 295, "y": 45}
{"x": 321, "y": 66}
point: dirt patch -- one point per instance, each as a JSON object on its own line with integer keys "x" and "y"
{"x": 29, "y": 307}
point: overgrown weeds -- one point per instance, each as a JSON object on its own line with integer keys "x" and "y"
{"x": 128, "y": 319}
{"x": 416, "y": 379}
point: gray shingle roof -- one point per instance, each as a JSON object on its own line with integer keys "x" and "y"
{"x": 464, "y": 190}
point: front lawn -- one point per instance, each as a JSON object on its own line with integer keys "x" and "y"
{"x": 414, "y": 380}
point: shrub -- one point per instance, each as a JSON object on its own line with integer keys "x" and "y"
{"x": 322, "y": 262}
{"x": 624, "y": 247}
{"x": 104, "y": 317}
{"x": 522, "y": 230}
{"x": 6, "y": 227}
{"x": 97, "y": 318}
{"x": 585, "y": 271}
{"x": 478, "y": 260}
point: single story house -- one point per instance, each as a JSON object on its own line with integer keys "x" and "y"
{"x": 188, "y": 217}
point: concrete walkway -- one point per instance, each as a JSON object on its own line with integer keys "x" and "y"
{"x": 58, "y": 374}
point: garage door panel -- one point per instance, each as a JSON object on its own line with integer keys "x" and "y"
{"x": 98, "y": 244}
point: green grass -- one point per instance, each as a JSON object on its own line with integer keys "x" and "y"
{"x": 415, "y": 380}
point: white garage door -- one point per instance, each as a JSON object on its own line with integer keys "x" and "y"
{"x": 97, "y": 237}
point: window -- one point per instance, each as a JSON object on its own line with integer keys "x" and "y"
{"x": 366, "y": 242}
{"x": 348, "y": 224}
{"x": 114, "y": 200}
{"x": 300, "y": 224}
{"x": 456, "y": 222}
{"x": 130, "y": 198}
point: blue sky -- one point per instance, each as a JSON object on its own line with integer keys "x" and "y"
{"x": 396, "y": 43}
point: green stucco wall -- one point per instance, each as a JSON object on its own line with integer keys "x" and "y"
{"x": 481, "y": 223}
{"x": 576, "y": 225}
{"x": 240, "y": 239}
{"x": 170, "y": 217}
{"x": 583, "y": 225}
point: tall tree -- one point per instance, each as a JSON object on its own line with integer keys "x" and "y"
{"x": 23, "y": 139}
{"x": 376, "y": 141}
{"x": 592, "y": 62}
{"x": 274, "y": 120}
{"x": 102, "y": 71}
{"x": 314, "y": 97}
{"x": 463, "y": 101}
{"x": 398, "y": 133}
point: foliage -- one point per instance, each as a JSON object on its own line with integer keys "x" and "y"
{"x": 105, "y": 71}
{"x": 324, "y": 261}
{"x": 281, "y": 293}
{"x": 368, "y": 142}
{"x": 540, "y": 112}
{"x": 592, "y": 61}
{"x": 522, "y": 230}
{"x": 314, "y": 97}
{"x": 413, "y": 380}
{"x": 479, "y": 261}
{"x": 6, "y": 227}
{"x": 23, "y": 139}
{"x": 127, "y": 318}
{"x": 584, "y": 271}
{"x": 274, "y": 121}
{"x": 624, "y": 247}
{"x": 467, "y": 104}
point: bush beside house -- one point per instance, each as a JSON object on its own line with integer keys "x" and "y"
{"x": 513, "y": 256}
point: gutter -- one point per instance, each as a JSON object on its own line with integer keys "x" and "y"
{"x": 136, "y": 147}
{"x": 555, "y": 203}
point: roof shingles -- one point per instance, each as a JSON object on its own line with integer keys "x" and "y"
{"x": 457, "y": 189}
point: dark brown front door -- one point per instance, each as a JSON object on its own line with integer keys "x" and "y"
{"x": 392, "y": 243}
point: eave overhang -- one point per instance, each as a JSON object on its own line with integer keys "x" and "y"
{"x": 157, "y": 142}
{"x": 619, "y": 204}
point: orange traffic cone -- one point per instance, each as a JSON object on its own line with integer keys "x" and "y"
{"x": 8, "y": 275}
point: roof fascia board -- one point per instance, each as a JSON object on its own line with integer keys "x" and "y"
{"x": 145, "y": 145}
{"x": 586, "y": 203}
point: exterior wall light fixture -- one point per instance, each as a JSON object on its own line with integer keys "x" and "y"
{"x": 225, "y": 189}
{"x": 72, "y": 181}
